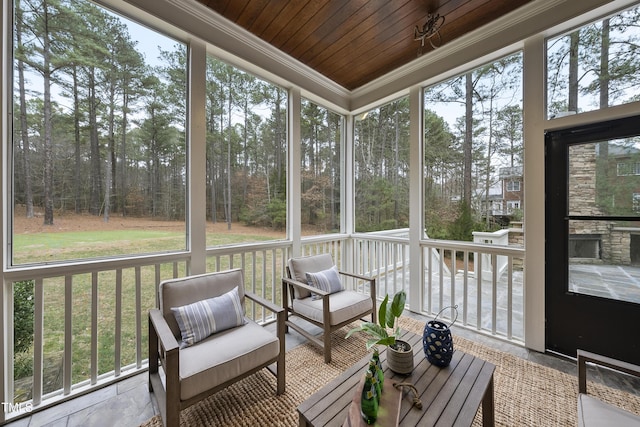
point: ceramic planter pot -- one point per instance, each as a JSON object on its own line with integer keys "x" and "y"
{"x": 400, "y": 362}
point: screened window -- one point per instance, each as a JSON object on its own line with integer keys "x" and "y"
{"x": 322, "y": 136}
{"x": 473, "y": 149}
{"x": 636, "y": 202}
{"x": 628, "y": 168}
{"x": 594, "y": 66}
{"x": 381, "y": 150}
{"x": 99, "y": 152}
{"x": 246, "y": 157}
{"x": 511, "y": 205}
{"x": 513, "y": 185}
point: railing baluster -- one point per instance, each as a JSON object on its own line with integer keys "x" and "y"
{"x": 158, "y": 279}
{"x": 139, "y": 350}
{"x": 494, "y": 293}
{"x": 118, "y": 325}
{"x": 465, "y": 286}
{"x": 38, "y": 343}
{"x": 94, "y": 328}
{"x": 430, "y": 279}
{"x": 441, "y": 251}
{"x": 68, "y": 334}
{"x": 478, "y": 268}
{"x": 510, "y": 298}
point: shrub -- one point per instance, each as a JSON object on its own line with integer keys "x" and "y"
{"x": 23, "y": 305}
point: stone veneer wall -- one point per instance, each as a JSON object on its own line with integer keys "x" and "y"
{"x": 616, "y": 242}
{"x": 516, "y": 238}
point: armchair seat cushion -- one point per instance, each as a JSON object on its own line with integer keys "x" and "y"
{"x": 594, "y": 412}
{"x": 343, "y": 306}
{"x": 224, "y": 356}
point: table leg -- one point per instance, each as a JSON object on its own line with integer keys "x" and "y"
{"x": 302, "y": 421}
{"x": 488, "y": 410}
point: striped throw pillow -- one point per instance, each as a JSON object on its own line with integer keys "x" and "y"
{"x": 326, "y": 280}
{"x": 201, "y": 319}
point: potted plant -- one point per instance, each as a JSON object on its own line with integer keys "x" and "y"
{"x": 386, "y": 332}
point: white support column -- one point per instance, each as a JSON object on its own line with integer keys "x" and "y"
{"x": 6, "y": 319}
{"x": 534, "y": 208}
{"x": 347, "y": 178}
{"x": 347, "y": 193}
{"x": 416, "y": 205}
{"x": 197, "y": 155}
{"x": 294, "y": 168}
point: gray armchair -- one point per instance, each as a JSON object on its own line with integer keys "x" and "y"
{"x": 591, "y": 410}
{"x": 197, "y": 364}
{"x": 329, "y": 305}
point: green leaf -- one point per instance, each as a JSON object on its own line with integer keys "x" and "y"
{"x": 397, "y": 332}
{"x": 372, "y": 329}
{"x": 397, "y": 306}
{"x": 391, "y": 319}
{"x": 354, "y": 330}
{"x": 382, "y": 312}
{"x": 387, "y": 341}
{"x": 371, "y": 343}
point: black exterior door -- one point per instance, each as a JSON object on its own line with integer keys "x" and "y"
{"x": 592, "y": 176}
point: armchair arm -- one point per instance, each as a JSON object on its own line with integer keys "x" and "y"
{"x": 358, "y": 276}
{"x": 618, "y": 365}
{"x": 264, "y": 302}
{"x": 304, "y": 286}
{"x": 161, "y": 328}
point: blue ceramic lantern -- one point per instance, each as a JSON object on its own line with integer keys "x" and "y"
{"x": 437, "y": 340}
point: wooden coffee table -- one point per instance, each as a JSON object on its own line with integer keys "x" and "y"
{"x": 450, "y": 396}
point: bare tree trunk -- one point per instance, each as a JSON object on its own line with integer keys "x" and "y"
{"x": 573, "y": 72}
{"x": 468, "y": 139}
{"x": 77, "y": 185}
{"x": 603, "y": 147}
{"x": 229, "y": 166}
{"x": 96, "y": 184}
{"x": 24, "y": 131}
{"x": 48, "y": 126}
{"x": 604, "y": 65}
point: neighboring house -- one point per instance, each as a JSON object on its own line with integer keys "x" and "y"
{"x": 502, "y": 206}
{"x": 625, "y": 185}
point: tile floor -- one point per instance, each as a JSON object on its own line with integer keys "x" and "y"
{"x": 129, "y": 403}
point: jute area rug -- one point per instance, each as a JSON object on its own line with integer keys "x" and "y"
{"x": 526, "y": 393}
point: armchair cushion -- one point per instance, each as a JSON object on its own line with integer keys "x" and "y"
{"x": 201, "y": 319}
{"x": 343, "y": 306}
{"x": 326, "y": 280}
{"x": 224, "y": 356}
{"x": 594, "y": 412}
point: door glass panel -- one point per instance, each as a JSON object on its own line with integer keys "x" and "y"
{"x": 604, "y": 229}
{"x": 603, "y": 259}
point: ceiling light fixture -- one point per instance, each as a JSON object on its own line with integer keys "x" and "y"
{"x": 430, "y": 31}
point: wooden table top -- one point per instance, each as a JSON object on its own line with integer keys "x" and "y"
{"x": 450, "y": 396}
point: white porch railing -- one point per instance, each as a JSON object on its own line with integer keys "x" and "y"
{"x": 90, "y": 318}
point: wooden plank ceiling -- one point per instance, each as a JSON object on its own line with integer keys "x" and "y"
{"x": 353, "y": 42}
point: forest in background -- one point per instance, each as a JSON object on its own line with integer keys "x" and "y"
{"x": 100, "y": 128}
